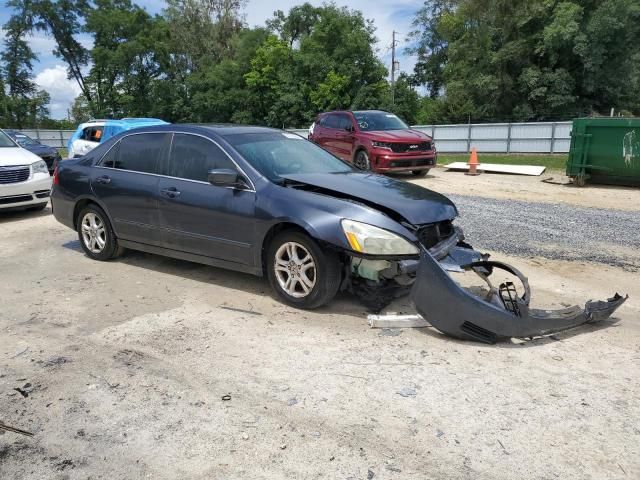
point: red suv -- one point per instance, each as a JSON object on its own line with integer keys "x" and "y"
{"x": 374, "y": 140}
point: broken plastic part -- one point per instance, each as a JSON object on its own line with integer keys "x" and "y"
{"x": 458, "y": 313}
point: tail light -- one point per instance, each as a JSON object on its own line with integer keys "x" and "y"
{"x": 56, "y": 181}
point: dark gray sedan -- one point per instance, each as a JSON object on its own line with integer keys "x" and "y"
{"x": 256, "y": 200}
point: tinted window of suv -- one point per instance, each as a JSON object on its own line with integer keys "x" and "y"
{"x": 332, "y": 121}
{"x": 110, "y": 159}
{"x": 192, "y": 157}
{"x": 344, "y": 122}
{"x": 140, "y": 152}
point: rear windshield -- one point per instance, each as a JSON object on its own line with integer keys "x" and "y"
{"x": 276, "y": 154}
{"x": 376, "y": 121}
{"x": 5, "y": 140}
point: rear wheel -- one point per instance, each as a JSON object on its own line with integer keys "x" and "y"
{"x": 362, "y": 160}
{"x": 300, "y": 272}
{"x": 421, "y": 173}
{"x": 96, "y": 235}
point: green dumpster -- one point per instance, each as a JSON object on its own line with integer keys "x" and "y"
{"x": 605, "y": 150}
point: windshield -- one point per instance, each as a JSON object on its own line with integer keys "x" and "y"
{"x": 375, "y": 121}
{"x": 23, "y": 140}
{"x": 276, "y": 155}
{"x": 5, "y": 140}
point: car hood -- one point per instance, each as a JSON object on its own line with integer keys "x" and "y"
{"x": 396, "y": 135}
{"x": 41, "y": 149}
{"x": 16, "y": 156}
{"x": 414, "y": 204}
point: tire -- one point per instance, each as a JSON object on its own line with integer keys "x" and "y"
{"x": 311, "y": 287}
{"x": 420, "y": 173}
{"x": 96, "y": 235}
{"x": 361, "y": 160}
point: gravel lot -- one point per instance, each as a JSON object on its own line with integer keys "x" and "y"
{"x": 552, "y": 230}
{"x": 126, "y": 367}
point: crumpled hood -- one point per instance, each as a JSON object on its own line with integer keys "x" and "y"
{"x": 16, "y": 156}
{"x": 415, "y": 204}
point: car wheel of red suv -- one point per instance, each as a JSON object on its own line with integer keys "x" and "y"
{"x": 362, "y": 160}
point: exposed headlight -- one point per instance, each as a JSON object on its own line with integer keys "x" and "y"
{"x": 386, "y": 145}
{"x": 367, "y": 239}
{"x": 39, "y": 167}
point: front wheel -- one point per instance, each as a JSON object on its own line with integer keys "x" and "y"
{"x": 96, "y": 235}
{"x": 421, "y": 173}
{"x": 300, "y": 272}
{"x": 362, "y": 160}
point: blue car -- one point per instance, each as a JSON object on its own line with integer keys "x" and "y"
{"x": 91, "y": 134}
{"x": 49, "y": 154}
{"x": 256, "y": 200}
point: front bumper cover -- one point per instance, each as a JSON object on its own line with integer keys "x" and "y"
{"x": 502, "y": 314}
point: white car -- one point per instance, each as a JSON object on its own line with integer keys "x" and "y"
{"x": 24, "y": 178}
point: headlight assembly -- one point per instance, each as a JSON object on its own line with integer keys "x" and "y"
{"x": 370, "y": 240}
{"x": 386, "y": 145}
{"x": 39, "y": 167}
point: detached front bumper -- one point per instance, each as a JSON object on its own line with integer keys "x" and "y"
{"x": 502, "y": 314}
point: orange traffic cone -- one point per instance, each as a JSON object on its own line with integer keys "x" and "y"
{"x": 473, "y": 163}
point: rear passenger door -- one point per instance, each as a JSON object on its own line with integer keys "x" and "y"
{"x": 126, "y": 183}
{"x": 200, "y": 218}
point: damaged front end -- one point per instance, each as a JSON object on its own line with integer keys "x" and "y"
{"x": 503, "y": 313}
{"x": 378, "y": 281}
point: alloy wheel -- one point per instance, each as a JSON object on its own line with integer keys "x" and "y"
{"x": 295, "y": 269}
{"x": 94, "y": 234}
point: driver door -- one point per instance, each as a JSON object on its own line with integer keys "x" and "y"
{"x": 200, "y": 218}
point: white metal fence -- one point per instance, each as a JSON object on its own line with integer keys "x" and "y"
{"x": 540, "y": 137}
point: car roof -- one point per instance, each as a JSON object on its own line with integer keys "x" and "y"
{"x": 354, "y": 111}
{"x": 222, "y": 129}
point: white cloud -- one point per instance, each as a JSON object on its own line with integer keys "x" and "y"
{"x": 62, "y": 90}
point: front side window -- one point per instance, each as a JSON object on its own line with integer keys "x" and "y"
{"x": 278, "y": 154}
{"x": 192, "y": 157}
{"x": 138, "y": 153}
{"x": 345, "y": 122}
{"x": 92, "y": 134}
{"x": 332, "y": 121}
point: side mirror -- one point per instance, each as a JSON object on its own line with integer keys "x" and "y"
{"x": 226, "y": 177}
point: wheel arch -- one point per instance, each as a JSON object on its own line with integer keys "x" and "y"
{"x": 82, "y": 203}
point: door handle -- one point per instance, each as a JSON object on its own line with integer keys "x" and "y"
{"x": 171, "y": 192}
{"x": 104, "y": 180}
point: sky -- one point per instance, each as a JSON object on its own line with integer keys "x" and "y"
{"x": 388, "y": 15}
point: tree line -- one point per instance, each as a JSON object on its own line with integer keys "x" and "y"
{"x": 198, "y": 61}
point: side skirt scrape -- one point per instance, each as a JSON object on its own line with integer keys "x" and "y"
{"x": 503, "y": 314}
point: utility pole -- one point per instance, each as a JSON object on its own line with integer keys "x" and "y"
{"x": 393, "y": 67}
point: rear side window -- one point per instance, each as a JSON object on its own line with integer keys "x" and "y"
{"x": 110, "y": 159}
{"x": 138, "y": 153}
{"x": 192, "y": 157}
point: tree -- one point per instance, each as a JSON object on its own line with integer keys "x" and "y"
{"x": 23, "y": 104}
{"x": 523, "y": 60}
{"x": 430, "y": 45}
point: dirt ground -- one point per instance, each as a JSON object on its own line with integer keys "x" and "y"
{"x": 532, "y": 189}
{"x": 148, "y": 367}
